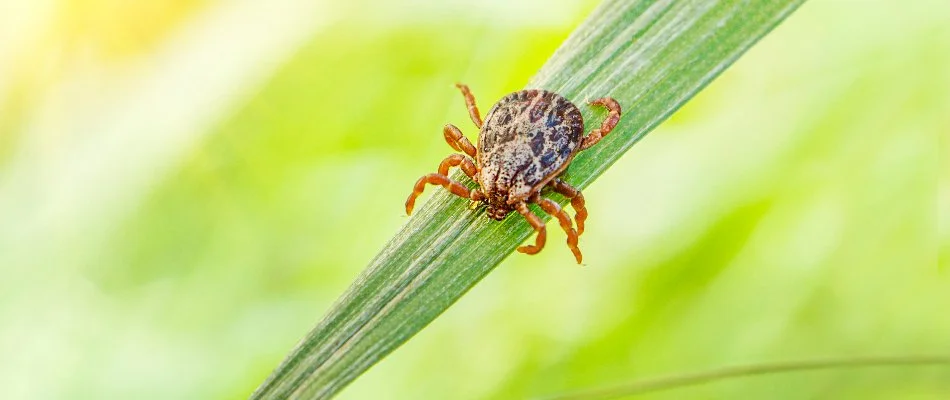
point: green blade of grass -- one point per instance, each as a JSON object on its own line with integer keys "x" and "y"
{"x": 745, "y": 371}
{"x": 650, "y": 55}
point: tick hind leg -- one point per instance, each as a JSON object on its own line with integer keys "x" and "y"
{"x": 577, "y": 201}
{"x": 440, "y": 179}
{"x": 613, "y": 116}
{"x": 470, "y": 103}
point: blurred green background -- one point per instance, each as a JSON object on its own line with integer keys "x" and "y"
{"x": 186, "y": 186}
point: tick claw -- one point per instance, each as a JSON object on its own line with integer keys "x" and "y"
{"x": 528, "y": 249}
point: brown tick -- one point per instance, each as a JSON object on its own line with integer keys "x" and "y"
{"x": 527, "y": 141}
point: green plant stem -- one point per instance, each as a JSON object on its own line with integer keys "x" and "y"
{"x": 650, "y": 55}
{"x": 679, "y": 381}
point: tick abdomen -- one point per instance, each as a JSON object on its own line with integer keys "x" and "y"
{"x": 528, "y": 138}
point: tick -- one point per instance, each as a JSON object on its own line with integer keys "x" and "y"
{"x": 527, "y": 141}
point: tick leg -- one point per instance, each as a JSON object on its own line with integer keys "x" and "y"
{"x": 456, "y": 160}
{"x": 439, "y": 179}
{"x": 537, "y": 225}
{"x": 457, "y": 140}
{"x": 613, "y": 116}
{"x": 470, "y": 103}
{"x": 555, "y": 210}
{"x": 577, "y": 201}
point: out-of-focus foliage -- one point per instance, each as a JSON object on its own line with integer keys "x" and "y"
{"x": 649, "y": 55}
{"x": 181, "y": 198}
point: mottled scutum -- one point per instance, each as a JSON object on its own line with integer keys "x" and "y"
{"x": 528, "y": 138}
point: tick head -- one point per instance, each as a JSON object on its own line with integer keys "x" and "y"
{"x": 498, "y": 213}
{"x": 498, "y": 207}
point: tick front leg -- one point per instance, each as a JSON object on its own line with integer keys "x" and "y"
{"x": 470, "y": 103}
{"x": 457, "y": 140}
{"x": 538, "y": 226}
{"x": 440, "y": 179}
{"x": 555, "y": 210}
{"x": 613, "y": 116}
{"x": 577, "y": 201}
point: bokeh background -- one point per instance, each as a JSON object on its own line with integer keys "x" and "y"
{"x": 187, "y": 185}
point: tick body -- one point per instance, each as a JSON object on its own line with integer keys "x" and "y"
{"x": 526, "y": 142}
